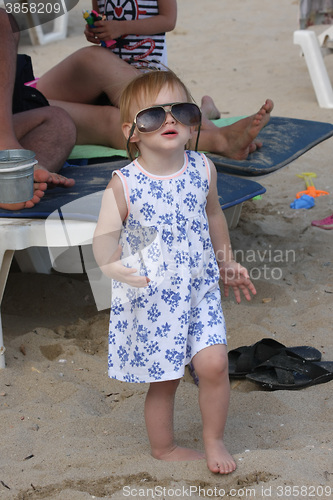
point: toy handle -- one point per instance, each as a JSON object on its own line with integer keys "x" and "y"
{"x": 108, "y": 43}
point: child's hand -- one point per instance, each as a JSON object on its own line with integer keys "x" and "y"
{"x": 107, "y": 30}
{"x": 90, "y": 35}
{"x": 116, "y": 270}
{"x": 236, "y": 276}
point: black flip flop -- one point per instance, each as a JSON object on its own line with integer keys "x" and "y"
{"x": 243, "y": 360}
{"x": 289, "y": 371}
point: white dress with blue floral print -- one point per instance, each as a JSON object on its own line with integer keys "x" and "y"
{"x": 155, "y": 331}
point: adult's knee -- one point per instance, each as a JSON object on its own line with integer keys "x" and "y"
{"x": 87, "y": 57}
{"x": 96, "y": 59}
{"x": 65, "y": 126}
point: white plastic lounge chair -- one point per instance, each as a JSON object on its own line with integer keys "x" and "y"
{"x": 64, "y": 223}
{"x": 18, "y": 234}
{"x": 316, "y": 47}
{"x": 36, "y": 32}
{"x": 38, "y": 37}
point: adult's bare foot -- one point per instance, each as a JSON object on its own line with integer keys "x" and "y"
{"x": 55, "y": 179}
{"x": 241, "y": 135}
{"x": 43, "y": 179}
{"x": 209, "y": 109}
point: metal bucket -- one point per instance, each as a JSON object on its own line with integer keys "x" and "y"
{"x": 16, "y": 175}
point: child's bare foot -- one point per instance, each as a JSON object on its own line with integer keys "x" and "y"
{"x": 42, "y": 180}
{"x": 209, "y": 109}
{"x": 178, "y": 454}
{"x": 242, "y": 134}
{"x": 219, "y": 459}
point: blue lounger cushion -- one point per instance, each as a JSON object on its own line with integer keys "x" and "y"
{"x": 284, "y": 140}
{"x": 93, "y": 178}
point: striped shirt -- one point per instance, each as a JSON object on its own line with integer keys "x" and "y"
{"x": 139, "y": 50}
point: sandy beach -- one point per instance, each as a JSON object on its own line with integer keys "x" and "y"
{"x": 67, "y": 431}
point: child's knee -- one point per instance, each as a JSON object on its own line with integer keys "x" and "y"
{"x": 212, "y": 363}
{"x": 216, "y": 369}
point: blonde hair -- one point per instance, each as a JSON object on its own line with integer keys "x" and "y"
{"x": 142, "y": 91}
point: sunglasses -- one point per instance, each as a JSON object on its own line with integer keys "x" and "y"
{"x": 151, "y": 119}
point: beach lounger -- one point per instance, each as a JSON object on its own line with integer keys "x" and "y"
{"x": 284, "y": 140}
{"x": 314, "y": 48}
{"x": 65, "y": 219}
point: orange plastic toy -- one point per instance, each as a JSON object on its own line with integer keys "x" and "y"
{"x": 310, "y": 189}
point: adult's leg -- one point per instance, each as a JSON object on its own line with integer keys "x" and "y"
{"x": 36, "y": 129}
{"x": 8, "y": 51}
{"x": 211, "y": 366}
{"x": 159, "y": 408}
{"x": 101, "y": 125}
{"x": 95, "y": 124}
{"x": 8, "y": 139}
{"x": 76, "y": 82}
{"x": 84, "y": 75}
{"x": 49, "y": 132}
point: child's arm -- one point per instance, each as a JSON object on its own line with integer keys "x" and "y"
{"x": 107, "y": 250}
{"x": 232, "y": 274}
{"x": 164, "y": 21}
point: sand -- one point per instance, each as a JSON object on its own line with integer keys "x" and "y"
{"x": 68, "y": 432}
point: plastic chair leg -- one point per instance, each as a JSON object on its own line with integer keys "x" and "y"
{"x": 5, "y": 262}
{"x": 36, "y": 33}
{"x": 316, "y": 66}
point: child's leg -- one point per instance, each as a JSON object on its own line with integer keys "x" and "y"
{"x": 159, "y": 408}
{"x": 211, "y": 366}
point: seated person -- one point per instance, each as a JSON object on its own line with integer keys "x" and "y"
{"x": 46, "y": 130}
{"x": 77, "y": 82}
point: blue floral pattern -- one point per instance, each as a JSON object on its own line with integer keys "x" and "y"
{"x": 155, "y": 331}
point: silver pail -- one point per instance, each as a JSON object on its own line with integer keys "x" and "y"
{"x": 16, "y": 175}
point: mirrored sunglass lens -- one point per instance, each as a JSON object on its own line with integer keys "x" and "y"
{"x": 186, "y": 113}
{"x": 150, "y": 120}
